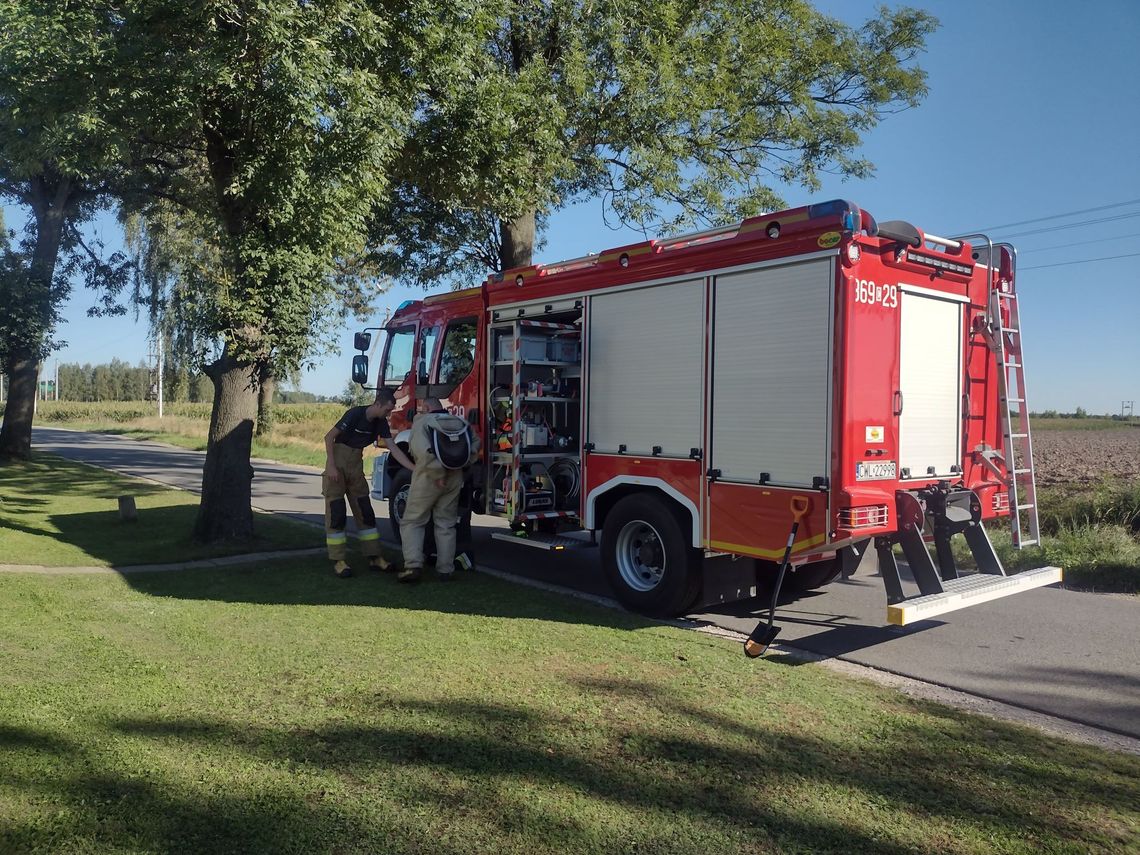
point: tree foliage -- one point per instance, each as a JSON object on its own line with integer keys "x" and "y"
{"x": 274, "y": 132}
{"x": 675, "y": 113}
{"x": 271, "y": 126}
{"x": 59, "y": 154}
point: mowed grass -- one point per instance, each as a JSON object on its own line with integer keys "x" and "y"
{"x": 278, "y": 709}
{"x": 58, "y": 512}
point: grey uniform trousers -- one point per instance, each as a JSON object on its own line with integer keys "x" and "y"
{"x": 426, "y": 498}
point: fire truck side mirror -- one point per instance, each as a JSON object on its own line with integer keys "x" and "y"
{"x": 360, "y": 369}
{"x": 361, "y": 341}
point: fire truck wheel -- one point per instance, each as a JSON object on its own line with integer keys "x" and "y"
{"x": 401, "y": 483}
{"x": 647, "y": 559}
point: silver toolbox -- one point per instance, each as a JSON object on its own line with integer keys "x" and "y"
{"x": 562, "y": 349}
{"x": 531, "y": 347}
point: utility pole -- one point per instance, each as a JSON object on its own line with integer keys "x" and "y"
{"x": 160, "y": 349}
{"x": 155, "y": 356}
{"x": 55, "y": 384}
{"x": 1129, "y": 406}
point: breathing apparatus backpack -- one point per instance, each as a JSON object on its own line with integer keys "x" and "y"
{"x": 446, "y": 438}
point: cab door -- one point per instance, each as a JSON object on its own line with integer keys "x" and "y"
{"x": 398, "y": 371}
{"x": 455, "y": 381}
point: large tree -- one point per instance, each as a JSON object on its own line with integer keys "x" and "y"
{"x": 58, "y": 153}
{"x": 275, "y": 123}
{"x": 675, "y": 113}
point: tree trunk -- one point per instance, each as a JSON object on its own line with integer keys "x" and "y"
{"x": 51, "y": 200}
{"x": 16, "y": 433}
{"x": 267, "y": 385}
{"x": 517, "y": 238}
{"x": 226, "y": 512}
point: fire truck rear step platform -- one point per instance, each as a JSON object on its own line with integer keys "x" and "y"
{"x": 969, "y": 591}
{"x": 945, "y": 511}
{"x": 541, "y": 540}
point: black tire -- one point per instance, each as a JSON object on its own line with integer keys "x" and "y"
{"x": 647, "y": 558}
{"x": 798, "y": 580}
{"x": 401, "y": 481}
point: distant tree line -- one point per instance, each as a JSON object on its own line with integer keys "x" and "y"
{"x": 1079, "y": 413}
{"x": 118, "y": 380}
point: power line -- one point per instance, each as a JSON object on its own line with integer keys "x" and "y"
{"x": 1077, "y": 243}
{"x": 1057, "y": 216}
{"x": 1081, "y": 261}
{"x": 1071, "y": 225}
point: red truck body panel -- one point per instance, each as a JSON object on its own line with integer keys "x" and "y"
{"x": 877, "y": 280}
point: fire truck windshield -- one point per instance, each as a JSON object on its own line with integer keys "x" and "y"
{"x": 398, "y": 356}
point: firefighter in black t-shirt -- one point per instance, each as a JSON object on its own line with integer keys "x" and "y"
{"x": 343, "y": 479}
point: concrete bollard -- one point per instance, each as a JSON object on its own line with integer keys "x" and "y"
{"x": 127, "y": 510}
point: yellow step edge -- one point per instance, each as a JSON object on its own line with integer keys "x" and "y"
{"x": 921, "y": 608}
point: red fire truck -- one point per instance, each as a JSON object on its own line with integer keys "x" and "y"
{"x": 683, "y": 400}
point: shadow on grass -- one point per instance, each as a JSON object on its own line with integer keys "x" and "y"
{"x": 310, "y": 582}
{"x": 25, "y": 481}
{"x": 402, "y": 769}
{"x": 161, "y": 535}
{"x": 34, "y": 493}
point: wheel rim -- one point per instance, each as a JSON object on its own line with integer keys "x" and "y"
{"x": 640, "y": 556}
{"x": 400, "y": 502}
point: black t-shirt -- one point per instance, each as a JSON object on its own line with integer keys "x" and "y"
{"x": 356, "y": 431}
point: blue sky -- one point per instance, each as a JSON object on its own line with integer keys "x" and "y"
{"x": 1032, "y": 112}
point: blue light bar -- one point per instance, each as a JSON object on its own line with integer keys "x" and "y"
{"x": 849, "y": 212}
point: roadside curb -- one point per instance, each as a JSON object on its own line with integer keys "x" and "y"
{"x": 127, "y": 569}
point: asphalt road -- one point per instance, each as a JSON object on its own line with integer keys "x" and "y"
{"x": 1064, "y": 653}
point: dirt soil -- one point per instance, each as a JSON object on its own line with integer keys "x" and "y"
{"x": 1063, "y": 457}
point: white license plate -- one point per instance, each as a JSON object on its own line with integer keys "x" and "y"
{"x": 879, "y": 470}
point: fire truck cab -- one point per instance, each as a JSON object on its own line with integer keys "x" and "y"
{"x": 675, "y": 401}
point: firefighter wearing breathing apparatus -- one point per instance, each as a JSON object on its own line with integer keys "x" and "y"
{"x": 443, "y": 446}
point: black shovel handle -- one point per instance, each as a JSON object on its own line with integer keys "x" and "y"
{"x": 764, "y": 634}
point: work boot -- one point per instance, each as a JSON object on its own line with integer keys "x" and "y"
{"x": 342, "y": 570}
{"x": 446, "y": 577}
{"x": 380, "y": 564}
{"x": 409, "y": 574}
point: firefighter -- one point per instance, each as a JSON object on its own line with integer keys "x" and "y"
{"x": 443, "y": 446}
{"x": 343, "y": 479}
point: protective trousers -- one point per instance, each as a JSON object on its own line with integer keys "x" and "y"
{"x": 426, "y": 498}
{"x": 353, "y": 487}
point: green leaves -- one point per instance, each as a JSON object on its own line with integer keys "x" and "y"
{"x": 676, "y": 113}
{"x": 290, "y": 117}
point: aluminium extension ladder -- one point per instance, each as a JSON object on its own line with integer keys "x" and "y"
{"x": 1005, "y": 341}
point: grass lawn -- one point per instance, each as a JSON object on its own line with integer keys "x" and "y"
{"x": 61, "y": 513}
{"x": 276, "y": 709}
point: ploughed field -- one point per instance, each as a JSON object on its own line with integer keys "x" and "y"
{"x": 1081, "y": 456}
